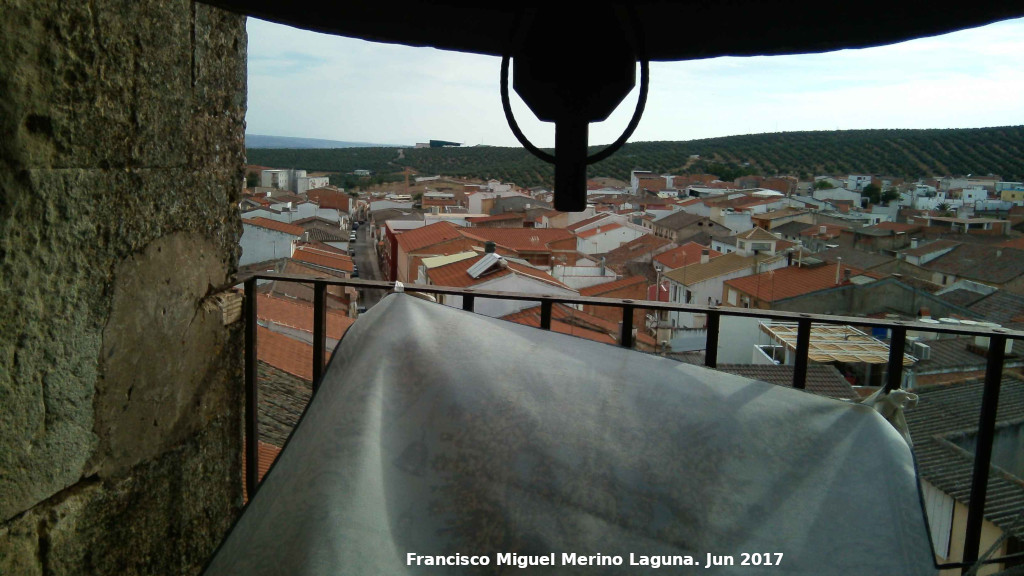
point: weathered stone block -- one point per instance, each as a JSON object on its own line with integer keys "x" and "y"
{"x": 121, "y": 161}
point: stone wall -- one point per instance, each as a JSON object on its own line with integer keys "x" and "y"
{"x": 121, "y": 161}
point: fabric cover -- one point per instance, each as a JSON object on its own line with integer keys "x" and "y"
{"x": 442, "y": 432}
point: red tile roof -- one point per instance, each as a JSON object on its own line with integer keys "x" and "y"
{"x": 930, "y": 247}
{"x": 531, "y": 317}
{"x": 792, "y": 281}
{"x": 293, "y": 267}
{"x": 284, "y": 353}
{"x": 325, "y": 258}
{"x": 496, "y": 217}
{"x": 299, "y": 315}
{"x": 582, "y": 223}
{"x": 896, "y": 226}
{"x": 598, "y": 230}
{"x": 328, "y": 198}
{"x": 831, "y": 230}
{"x": 267, "y": 455}
{"x": 1017, "y": 243}
{"x": 322, "y": 247}
{"x": 684, "y": 255}
{"x": 635, "y": 249}
{"x": 612, "y": 286}
{"x": 518, "y": 239}
{"x": 456, "y": 274}
{"x": 275, "y": 225}
{"x": 427, "y": 236}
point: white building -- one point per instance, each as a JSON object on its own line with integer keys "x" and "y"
{"x": 264, "y": 239}
{"x": 304, "y": 184}
{"x": 857, "y": 181}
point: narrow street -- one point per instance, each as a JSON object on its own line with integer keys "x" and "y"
{"x": 366, "y": 260}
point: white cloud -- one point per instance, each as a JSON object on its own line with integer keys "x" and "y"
{"x": 316, "y": 85}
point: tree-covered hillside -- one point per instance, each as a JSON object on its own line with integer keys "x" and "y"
{"x": 900, "y": 153}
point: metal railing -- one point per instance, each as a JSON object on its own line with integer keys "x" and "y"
{"x": 897, "y": 345}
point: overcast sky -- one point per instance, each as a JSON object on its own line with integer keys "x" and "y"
{"x": 313, "y": 85}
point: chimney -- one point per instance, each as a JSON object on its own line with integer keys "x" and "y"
{"x": 913, "y": 243}
{"x": 847, "y": 274}
{"x": 839, "y": 265}
{"x": 705, "y": 256}
{"x": 925, "y": 313}
{"x": 489, "y": 247}
{"x": 822, "y": 230}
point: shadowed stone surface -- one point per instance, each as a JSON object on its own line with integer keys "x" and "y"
{"x": 120, "y": 165}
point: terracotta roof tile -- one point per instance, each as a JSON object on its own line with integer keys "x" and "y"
{"x": 689, "y": 253}
{"x": 930, "y": 247}
{"x": 586, "y": 222}
{"x": 329, "y": 198}
{"x": 678, "y": 220}
{"x": 427, "y": 236}
{"x": 322, "y": 257}
{"x": 634, "y": 249}
{"x": 299, "y": 315}
{"x": 518, "y": 239}
{"x": 284, "y": 353}
{"x": 267, "y": 455}
{"x": 758, "y": 234}
{"x": 294, "y": 267}
{"x": 612, "y": 286}
{"x": 496, "y": 217}
{"x": 456, "y": 274}
{"x": 792, "y": 281}
{"x": 724, "y": 264}
{"x": 598, "y": 230}
{"x": 531, "y": 317}
{"x": 896, "y": 226}
{"x": 275, "y": 225}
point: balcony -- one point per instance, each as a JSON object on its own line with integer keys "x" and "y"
{"x": 985, "y": 481}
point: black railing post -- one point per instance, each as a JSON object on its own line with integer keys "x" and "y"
{"x": 803, "y": 347}
{"x": 319, "y": 331}
{"x": 468, "y": 302}
{"x": 711, "y": 344}
{"x": 897, "y": 344}
{"x": 545, "y": 314}
{"x": 626, "y": 335}
{"x": 983, "y": 448}
{"x": 252, "y": 453}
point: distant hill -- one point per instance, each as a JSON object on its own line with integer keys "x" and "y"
{"x": 901, "y": 153}
{"x": 262, "y": 141}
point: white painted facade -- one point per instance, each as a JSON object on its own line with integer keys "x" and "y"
{"x": 838, "y": 194}
{"x": 298, "y": 212}
{"x": 509, "y": 283}
{"x": 857, "y": 181}
{"x": 261, "y": 244}
{"x": 577, "y": 277}
{"x": 709, "y": 292}
{"x": 608, "y": 240}
{"x": 304, "y": 184}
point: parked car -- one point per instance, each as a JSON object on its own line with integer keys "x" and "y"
{"x": 352, "y": 237}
